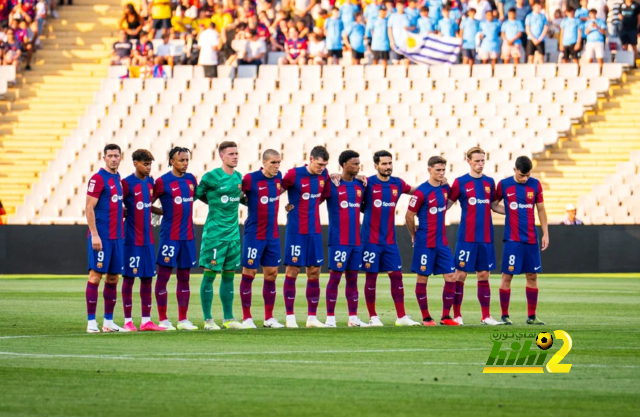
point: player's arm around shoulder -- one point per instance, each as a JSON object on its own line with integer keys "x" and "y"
{"x": 497, "y": 197}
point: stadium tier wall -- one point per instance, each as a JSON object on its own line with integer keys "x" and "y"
{"x": 26, "y": 249}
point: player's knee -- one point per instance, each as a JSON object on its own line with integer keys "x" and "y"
{"x": 450, "y": 277}
{"x": 292, "y": 271}
{"x": 250, "y": 272}
{"x": 313, "y": 272}
{"x": 483, "y": 276}
{"x": 422, "y": 279}
{"x": 507, "y": 278}
{"x": 111, "y": 279}
{"x": 532, "y": 277}
{"x": 461, "y": 276}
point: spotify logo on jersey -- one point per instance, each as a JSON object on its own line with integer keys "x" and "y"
{"x": 114, "y": 198}
{"x": 224, "y": 199}
{"x": 140, "y": 205}
{"x": 177, "y": 200}
{"x": 264, "y": 200}
{"x": 513, "y": 206}
{"x": 433, "y": 210}
{"x": 344, "y": 204}
{"x": 305, "y": 196}
{"x": 377, "y": 203}
{"x": 472, "y": 201}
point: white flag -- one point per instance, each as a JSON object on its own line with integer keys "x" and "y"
{"x": 431, "y": 49}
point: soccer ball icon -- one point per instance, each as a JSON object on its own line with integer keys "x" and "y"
{"x": 544, "y": 340}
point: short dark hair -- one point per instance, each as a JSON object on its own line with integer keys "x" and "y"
{"x": 471, "y": 9}
{"x": 319, "y": 152}
{"x": 570, "y": 9}
{"x": 512, "y": 10}
{"x": 177, "y": 150}
{"x": 142, "y": 155}
{"x": 424, "y": 9}
{"x": 524, "y": 164}
{"x": 594, "y": 11}
{"x": 226, "y": 144}
{"x": 269, "y": 153}
{"x": 346, "y": 155}
{"x": 446, "y": 7}
{"x": 381, "y": 154}
{"x": 435, "y": 160}
{"x": 253, "y": 32}
{"x": 112, "y": 147}
{"x": 534, "y": 2}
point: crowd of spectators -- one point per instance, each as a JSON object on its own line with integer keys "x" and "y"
{"x": 241, "y": 32}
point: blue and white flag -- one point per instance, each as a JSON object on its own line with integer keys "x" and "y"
{"x": 431, "y": 49}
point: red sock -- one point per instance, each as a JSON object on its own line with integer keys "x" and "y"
{"x": 532, "y": 301}
{"x": 397, "y": 293}
{"x": 351, "y": 292}
{"x": 484, "y": 297}
{"x": 421, "y": 296}
{"x": 245, "y": 295}
{"x": 370, "y": 292}
{"x": 289, "y": 293}
{"x": 448, "y": 294}
{"x": 457, "y": 299}
{"x": 145, "y": 296}
{"x": 127, "y": 295}
{"x": 91, "y": 294}
{"x": 313, "y": 296}
{"x": 183, "y": 293}
{"x": 269, "y": 296}
{"x": 332, "y": 291}
{"x": 164, "y": 273}
{"x": 505, "y": 295}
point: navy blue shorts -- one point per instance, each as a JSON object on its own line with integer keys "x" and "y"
{"x": 260, "y": 252}
{"x": 303, "y": 250}
{"x": 177, "y": 253}
{"x": 432, "y": 261}
{"x": 376, "y": 258}
{"x": 521, "y": 258}
{"x": 475, "y": 256}
{"x": 108, "y": 260}
{"x": 139, "y": 261}
{"x": 345, "y": 258}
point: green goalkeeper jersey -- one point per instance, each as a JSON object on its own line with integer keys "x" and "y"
{"x": 222, "y": 192}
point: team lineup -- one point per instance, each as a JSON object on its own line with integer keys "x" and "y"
{"x": 121, "y": 215}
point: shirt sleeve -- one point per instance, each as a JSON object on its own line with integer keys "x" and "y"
{"x": 454, "y": 193}
{"x": 494, "y": 195}
{"x": 207, "y": 183}
{"x": 404, "y": 187}
{"x": 539, "y": 196}
{"x": 326, "y": 192}
{"x": 125, "y": 188}
{"x": 499, "y": 195}
{"x": 416, "y": 201}
{"x": 96, "y": 185}
{"x": 289, "y": 179}
{"x": 158, "y": 189}
{"x": 246, "y": 183}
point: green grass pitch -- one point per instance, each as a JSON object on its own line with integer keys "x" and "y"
{"x": 50, "y": 367}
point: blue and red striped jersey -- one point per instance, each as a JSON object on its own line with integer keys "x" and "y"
{"x": 263, "y": 195}
{"x": 380, "y": 200}
{"x": 176, "y": 196}
{"x": 137, "y": 195}
{"x": 519, "y": 204}
{"x": 475, "y": 196}
{"x": 107, "y": 189}
{"x": 431, "y": 205}
{"x": 343, "y": 204}
{"x": 304, "y": 191}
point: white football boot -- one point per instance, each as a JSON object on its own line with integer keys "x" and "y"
{"x": 234, "y": 324}
{"x": 92, "y": 327}
{"x": 249, "y": 324}
{"x": 375, "y": 322}
{"x": 490, "y": 321}
{"x": 187, "y": 325}
{"x": 211, "y": 325}
{"x": 111, "y": 327}
{"x": 406, "y": 321}
{"x": 354, "y": 321}
{"x": 166, "y": 324}
{"x": 273, "y": 323}
{"x": 331, "y": 321}
{"x": 312, "y": 321}
{"x": 291, "y": 322}
{"x": 458, "y": 320}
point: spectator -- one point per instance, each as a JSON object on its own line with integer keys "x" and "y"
{"x": 266, "y": 7}
{"x": 319, "y": 22}
{"x": 522, "y": 11}
{"x": 239, "y": 46}
{"x": 190, "y": 9}
{"x": 333, "y": 28}
{"x": 165, "y": 51}
{"x": 317, "y": 50}
{"x": 5, "y": 11}
{"x": 413, "y": 13}
{"x": 306, "y": 18}
{"x": 582, "y": 14}
{"x": 209, "y": 9}
{"x": 121, "y": 54}
{"x": 469, "y": 28}
{"x": 380, "y": 39}
{"x": 371, "y": 14}
{"x": 180, "y": 23}
{"x": 570, "y": 37}
{"x": 425, "y": 23}
{"x": 131, "y": 22}
{"x": 191, "y": 50}
{"x": 554, "y": 26}
{"x": 161, "y": 16}
{"x": 153, "y": 69}
{"x": 398, "y": 25}
{"x": 256, "y": 50}
{"x": 512, "y": 31}
{"x": 435, "y": 10}
{"x": 489, "y": 39}
{"x": 505, "y": 5}
{"x": 303, "y": 30}
{"x": 246, "y": 11}
{"x": 454, "y": 13}
{"x": 482, "y": 8}
{"x": 571, "y": 219}
{"x": 142, "y": 51}
{"x": 209, "y": 43}
{"x": 227, "y": 37}
{"x": 447, "y": 26}
{"x": 26, "y": 37}
{"x": 354, "y": 39}
{"x": 12, "y": 50}
{"x": 629, "y": 18}
{"x": 220, "y": 18}
{"x": 295, "y": 50}
{"x": 347, "y": 13}
{"x": 202, "y": 22}
{"x": 596, "y": 31}
{"x": 601, "y": 8}
{"x": 2, "y": 212}
{"x": 279, "y": 30}
{"x": 41, "y": 15}
{"x": 536, "y": 26}
{"x": 302, "y": 8}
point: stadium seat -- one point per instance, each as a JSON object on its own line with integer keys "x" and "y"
{"x": 482, "y": 71}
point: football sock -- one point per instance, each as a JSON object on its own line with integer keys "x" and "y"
{"x": 505, "y": 295}
{"x": 183, "y": 292}
{"x": 226, "y": 294}
{"x": 370, "y": 282}
{"x": 421, "y": 295}
{"x": 351, "y": 291}
{"x": 397, "y": 292}
{"x": 269, "y": 295}
{"x": 127, "y": 297}
{"x": 313, "y": 296}
{"x": 532, "y": 301}
{"x": 91, "y": 294}
{"x": 457, "y": 299}
{"x": 245, "y": 295}
{"x": 110, "y": 295}
{"x": 206, "y": 293}
{"x": 164, "y": 273}
{"x": 332, "y": 291}
{"x": 448, "y": 294}
{"x": 145, "y": 298}
{"x": 289, "y": 294}
{"x": 484, "y": 296}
